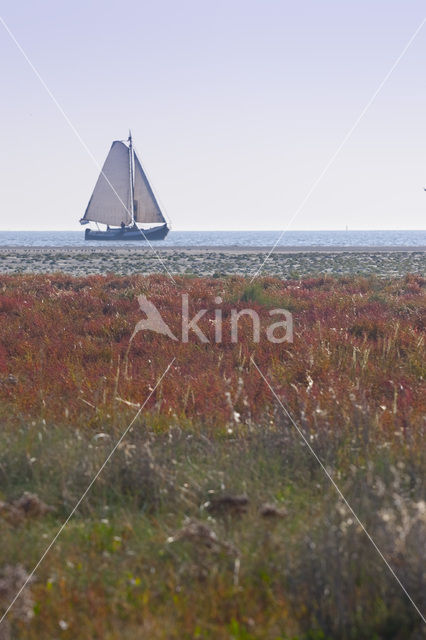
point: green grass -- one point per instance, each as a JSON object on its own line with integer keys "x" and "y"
{"x": 123, "y": 568}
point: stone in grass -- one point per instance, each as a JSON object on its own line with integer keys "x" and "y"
{"x": 269, "y": 510}
{"x": 200, "y": 533}
{"x": 227, "y": 504}
{"x": 12, "y": 579}
{"x": 27, "y": 506}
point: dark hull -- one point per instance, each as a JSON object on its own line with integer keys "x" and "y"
{"x": 156, "y": 233}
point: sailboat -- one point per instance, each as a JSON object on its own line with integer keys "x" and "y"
{"x": 122, "y": 198}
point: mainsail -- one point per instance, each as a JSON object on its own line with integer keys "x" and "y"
{"x": 110, "y": 201}
{"x": 145, "y": 205}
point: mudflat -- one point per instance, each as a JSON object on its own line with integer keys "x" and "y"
{"x": 210, "y": 261}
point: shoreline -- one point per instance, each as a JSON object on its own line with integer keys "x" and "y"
{"x": 284, "y": 262}
{"x": 234, "y": 249}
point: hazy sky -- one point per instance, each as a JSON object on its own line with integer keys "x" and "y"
{"x": 235, "y": 108}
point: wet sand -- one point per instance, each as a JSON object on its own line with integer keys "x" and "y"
{"x": 210, "y": 261}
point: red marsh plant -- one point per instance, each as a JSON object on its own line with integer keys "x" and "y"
{"x": 358, "y": 348}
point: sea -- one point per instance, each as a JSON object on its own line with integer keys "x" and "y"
{"x": 227, "y": 238}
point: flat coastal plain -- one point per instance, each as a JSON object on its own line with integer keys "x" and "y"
{"x": 215, "y": 261}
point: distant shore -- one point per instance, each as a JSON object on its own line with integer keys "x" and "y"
{"x": 209, "y": 261}
{"x": 158, "y": 246}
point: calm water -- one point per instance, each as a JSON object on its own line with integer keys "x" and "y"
{"x": 226, "y": 238}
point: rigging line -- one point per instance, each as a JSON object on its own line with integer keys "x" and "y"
{"x": 77, "y": 134}
{"x": 342, "y": 144}
{"x": 339, "y": 491}
{"x": 80, "y": 500}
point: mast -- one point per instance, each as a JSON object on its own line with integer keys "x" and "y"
{"x": 132, "y": 186}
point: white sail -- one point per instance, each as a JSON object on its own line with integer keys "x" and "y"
{"x": 110, "y": 201}
{"x": 145, "y": 205}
